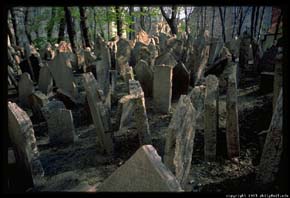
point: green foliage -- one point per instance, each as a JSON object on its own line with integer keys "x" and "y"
{"x": 39, "y": 42}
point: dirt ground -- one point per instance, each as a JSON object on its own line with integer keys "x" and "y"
{"x": 81, "y": 167}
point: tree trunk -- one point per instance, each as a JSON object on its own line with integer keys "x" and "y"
{"x": 172, "y": 22}
{"x": 212, "y": 22}
{"x": 261, "y": 22}
{"x": 131, "y": 25}
{"x": 222, "y": 15}
{"x": 84, "y": 26}
{"x": 108, "y": 23}
{"x": 253, "y": 22}
{"x": 26, "y": 26}
{"x": 51, "y": 24}
{"x": 119, "y": 21}
{"x": 256, "y": 21}
{"x": 14, "y": 23}
{"x": 61, "y": 29}
{"x": 204, "y": 26}
{"x": 142, "y": 18}
{"x": 70, "y": 28}
{"x": 278, "y": 24}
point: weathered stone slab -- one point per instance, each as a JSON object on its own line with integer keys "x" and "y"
{"x": 197, "y": 95}
{"x": 232, "y": 123}
{"x": 113, "y": 74}
{"x": 278, "y": 78}
{"x": 37, "y": 100}
{"x": 61, "y": 70}
{"x": 25, "y": 88}
{"x": 94, "y": 99}
{"x": 210, "y": 117}
{"x": 180, "y": 80}
{"x": 143, "y": 172}
{"x": 180, "y": 139}
{"x": 129, "y": 75}
{"x": 123, "y": 54}
{"x": 21, "y": 133}
{"x": 45, "y": 81}
{"x": 273, "y": 147}
{"x": 61, "y": 127}
{"x": 144, "y": 74}
{"x": 162, "y": 88}
{"x": 166, "y": 58}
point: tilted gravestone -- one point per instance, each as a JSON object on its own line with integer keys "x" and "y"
{"x": 162, "y": 88}
{"x": 95, "y": 103}
{"x": 210, "y": 117}
{"x": 61, "y": 127}
{"x": 45, "y": 81}
{"x": 180, "y": 80}
{"x": 25, "y": 88}
{"x": 61, "y": 70}
{"x": 144, "y": 74}
{"x": 143, "y": 172}
{"x": 21, "y": 133}
{"x": 180, "y": 139}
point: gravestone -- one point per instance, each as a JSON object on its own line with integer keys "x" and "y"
{"x": 180, "y": 80}
{"x": 144, "y": 74}
{"x": 214, "y": 50}
{"x": 271, "y": 156}
{"x": 278, "y": 77}
{"x": 166, "y": 58}
{"x": 61, "y": 127}
{"x": 113, "y": 80}
{"x": 145, "y": 55}
{"x": 94, "y": 100}
{"x": 210, "y": 117}
{"x": 232, "y": 123}
{"x": 143, "y": 172}
{"x": 25, "y": 88}
{"x": 21, "y": 134}
{"x": 197, "y": 95}
{"x": 45, "y": 82}
{"x": 163, "y": 37}
{"x": 129, "y": 75}
{"x": 89, "y": 58}
{"x": 37, "y": 100}
{"x": 61, "y": 70}
{"x": 180, "y": 139}
{"x": 135, "y": 52}
{"x": 162, "y": 88}
{"x": 123, "y": 54}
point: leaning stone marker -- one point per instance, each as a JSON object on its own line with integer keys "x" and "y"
{"x": 61, "y": 70}
{"x": 25, "y": 88}
{"x": 180, "y": 81}
{"x": 45, "y": 81}
{"x": 162, "y": 84}
{"x": 93, "y": 97}
{"x": 180, "y": 139}
{"x": 278, "y": 78}
{"x": 210, "y": 117}
{"x": 144, "y": 75}
{"x": 21, "y": 133}
{"x": 273, "y": 147}
{"x": 61, "y": 127}
{"x": 143, "y": 172}
{"x": 232, "y": 123}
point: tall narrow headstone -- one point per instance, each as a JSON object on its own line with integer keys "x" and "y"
{"x": 273, "y": 147}
{"x": 25, "y": 88}
{"x": 21, "y": 133}
{"x": 210, "y": 117}
{"x": 144, "y": 74}
{"x": 162, "y": 88}
{"x": 232, "y": 123}
{"x": 180, "y": 139}
{"x": 94, "y": 100}
{"x": 45, "y": 81}
{"x": 143, "y": 172}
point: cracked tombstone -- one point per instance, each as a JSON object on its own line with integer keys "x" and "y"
{"x": 273, "y": 147}
{"x": 197, "y": 95}
{"x": 180, "y": 139}
{"x": 232, "y": 121}
{"x": 22, "y": 136}
{"x": 61, "y": 70}
{"x": 162, "y": 88}
{"x": 25, "y": 89}
{"x": 180, "y": 80}
{"x": 144, "y": 74}
{"x": 45, "y": 82}
{"x": 210, "y": 117}
{"x": 143, "y": 172}
{"x": 95, "y": 104}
